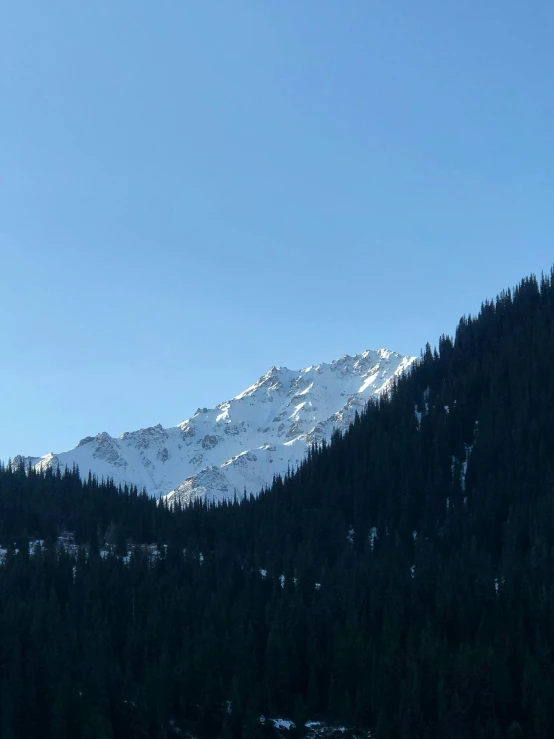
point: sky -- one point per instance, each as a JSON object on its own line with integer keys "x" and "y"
{"x": 192, "y": 192}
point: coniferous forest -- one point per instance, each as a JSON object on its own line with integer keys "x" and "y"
{"x": 401, "y": 581}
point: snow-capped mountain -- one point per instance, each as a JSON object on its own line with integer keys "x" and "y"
{"x": 242, "y": 443}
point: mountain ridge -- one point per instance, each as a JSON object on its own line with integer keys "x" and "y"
{"x": 242, "y": 443}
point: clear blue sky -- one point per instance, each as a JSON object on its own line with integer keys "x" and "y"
{"x": 193, "y": 191}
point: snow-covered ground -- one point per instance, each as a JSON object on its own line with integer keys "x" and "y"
{"x": 243, "y": 442}
{"x": 316, "y": 729}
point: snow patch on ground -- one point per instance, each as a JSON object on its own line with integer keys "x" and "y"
{"x": 283, "y": 723}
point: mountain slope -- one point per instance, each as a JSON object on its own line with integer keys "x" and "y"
{"x": 402, "y": 581}
{"x": 242, "y": 443}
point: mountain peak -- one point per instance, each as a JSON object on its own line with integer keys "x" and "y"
{"x": 243, "y": 442}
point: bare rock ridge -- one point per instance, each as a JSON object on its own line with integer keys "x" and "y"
{"x": 243, "y": 442}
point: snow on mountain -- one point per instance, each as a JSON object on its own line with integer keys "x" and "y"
{"x": 242, "y": 443}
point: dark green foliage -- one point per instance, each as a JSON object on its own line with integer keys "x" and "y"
{"x": 434, "y": 620}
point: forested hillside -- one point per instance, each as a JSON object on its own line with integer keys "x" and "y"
{"x": 402, "y": 581}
